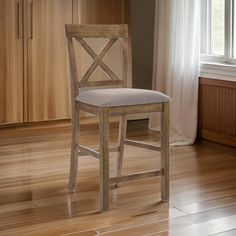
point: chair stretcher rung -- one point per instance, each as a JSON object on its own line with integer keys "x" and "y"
{"x": 88, "y": 151}
{"x": 114, "y": 149}
{"x": 142, "y": 145}
{"x": 85, "y": 151}
{"x": 125, "y": 178}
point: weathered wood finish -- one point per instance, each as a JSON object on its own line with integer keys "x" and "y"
{"x": 165, "y": 182}
{"x": 124, "y": 110}
{"x": 81, "y": 31}
{"x": 104, "y": 160}
{"x": 135, "y": 176}
{"x": 217, "y": 111}
{"x": 34, "y": 199}
{"x": 106, "y": 69}
{"x": 11, "y": 61}
{"x": 89, "y": 151}
{"x": 142, "y": 145}
{"x": 121, "y": 143}
{"x": 112, "y": 33}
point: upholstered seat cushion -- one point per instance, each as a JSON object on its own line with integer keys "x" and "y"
{"x": 111, "y": 97}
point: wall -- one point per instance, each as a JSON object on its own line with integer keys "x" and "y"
{"x": 142, "y": 30}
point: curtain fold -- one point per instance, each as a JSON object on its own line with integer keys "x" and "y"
{"x": 176, "y": 66}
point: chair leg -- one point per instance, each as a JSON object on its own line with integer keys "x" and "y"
{"x": 104, "y": 160}
{"x": 122, "y": 135}
{"x": 74, "y": 150}
{"x": 165, "y": 153}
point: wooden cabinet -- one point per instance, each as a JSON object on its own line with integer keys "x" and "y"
{"x": 11, "y": 62}
{"x": 34, "y": 70}
{"x": 48, "y": 70}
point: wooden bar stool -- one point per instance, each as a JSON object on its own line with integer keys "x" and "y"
{"x": 107, "y": 102}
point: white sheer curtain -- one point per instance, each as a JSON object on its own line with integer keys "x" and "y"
{"x": 176, "y": 65}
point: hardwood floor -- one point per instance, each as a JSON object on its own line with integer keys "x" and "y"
{"x": 34, "y": 200}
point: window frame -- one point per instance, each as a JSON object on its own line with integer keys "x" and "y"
{"x": 228, "y": 57}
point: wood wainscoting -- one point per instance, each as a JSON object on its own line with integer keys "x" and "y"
{"x": 217, "y": 111}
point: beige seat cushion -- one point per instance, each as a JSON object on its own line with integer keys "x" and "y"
{"x": 112, "y": 97}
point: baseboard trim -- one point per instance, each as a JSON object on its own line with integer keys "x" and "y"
{"x": 218, "y": 138}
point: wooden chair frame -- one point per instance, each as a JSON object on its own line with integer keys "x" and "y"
{"x": 112, "y": 32}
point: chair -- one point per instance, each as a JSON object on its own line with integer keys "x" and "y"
{"x": 105, "y": 102}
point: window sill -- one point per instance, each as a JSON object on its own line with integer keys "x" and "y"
{"x": 218, "y": 71}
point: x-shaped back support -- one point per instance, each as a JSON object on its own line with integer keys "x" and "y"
{"x": 98, "y": 59}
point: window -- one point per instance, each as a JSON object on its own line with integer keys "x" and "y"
{"x": 218, "y": 31}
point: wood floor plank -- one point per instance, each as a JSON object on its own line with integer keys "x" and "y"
{"x": 84, "y": 233}
{"x": 145, "y": 229}
{"x": 191, "y": 230}
{"x": 205, "y": 205}
{"x": 219, "y": 226}
{"x": 34, "y": 198}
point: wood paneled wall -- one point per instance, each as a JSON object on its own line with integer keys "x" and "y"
{"x": 217, "y": 111}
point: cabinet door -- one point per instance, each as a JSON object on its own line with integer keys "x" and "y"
{"x": 11, "y": 61}
{"x": 48, "y": 70}
{"x": 102, "y": 11}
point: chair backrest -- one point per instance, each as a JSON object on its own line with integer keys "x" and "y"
{"x": 112, "y": 33}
